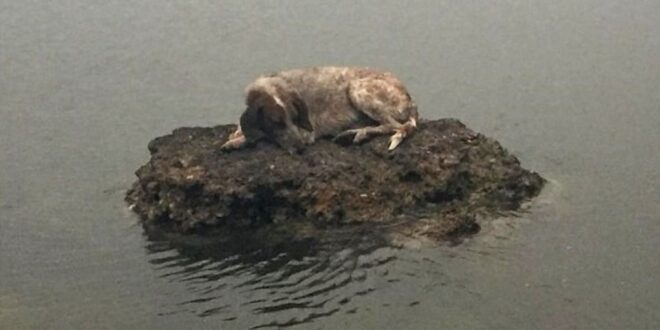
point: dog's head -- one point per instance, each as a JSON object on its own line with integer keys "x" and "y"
{"x": 276, "y": 118}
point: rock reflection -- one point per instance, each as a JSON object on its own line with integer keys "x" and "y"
{"x": 258, "y": 280}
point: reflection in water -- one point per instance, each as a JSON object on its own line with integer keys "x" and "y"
{"x": 279, "y": 283}
{"x": 268, "y": 279}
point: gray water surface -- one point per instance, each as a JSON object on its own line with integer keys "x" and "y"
{"x": 570, "y": 87}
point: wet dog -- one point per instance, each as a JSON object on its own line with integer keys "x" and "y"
{"x": 294, "y": 108}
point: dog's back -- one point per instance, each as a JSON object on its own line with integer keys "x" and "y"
{"x": 331, "y": 93}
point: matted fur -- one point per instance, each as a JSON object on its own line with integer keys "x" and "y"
{"x": 296, "y": 107}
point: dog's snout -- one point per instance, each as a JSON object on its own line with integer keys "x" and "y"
{"x": 288, "y": 139}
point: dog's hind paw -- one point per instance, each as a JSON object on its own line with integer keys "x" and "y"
{"x": 395, "y": 140}
{"x": 358, "y": 135}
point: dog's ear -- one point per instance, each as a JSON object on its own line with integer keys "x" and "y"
{"x": 272, "y": 117}
{"x": 251, "y": 123}
{"x": 263, "y": 111}
{"x": 302, "y": 118}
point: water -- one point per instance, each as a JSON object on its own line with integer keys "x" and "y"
{"x": 572, "y": 88}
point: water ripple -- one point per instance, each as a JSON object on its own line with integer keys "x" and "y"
{"x": 261, "y": 284}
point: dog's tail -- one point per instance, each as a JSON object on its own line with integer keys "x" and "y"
{"x": 406, "y": 128}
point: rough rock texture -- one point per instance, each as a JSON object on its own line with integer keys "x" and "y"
{"x": 434, "y": 184}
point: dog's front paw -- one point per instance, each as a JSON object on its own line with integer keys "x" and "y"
{"x": 226, "y": 148}
{"x": 233, "y": 144}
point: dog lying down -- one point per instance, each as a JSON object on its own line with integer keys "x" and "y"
{"x": 294, "y": 108}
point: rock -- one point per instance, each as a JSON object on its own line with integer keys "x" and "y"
{"x": 433, "y": 185}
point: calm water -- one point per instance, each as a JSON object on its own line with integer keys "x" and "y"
{"x": 571, "y": 87}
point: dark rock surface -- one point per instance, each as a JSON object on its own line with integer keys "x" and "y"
{"x": 433, "y": 185}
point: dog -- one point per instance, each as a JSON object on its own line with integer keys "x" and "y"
{"x": 294, "y": 108}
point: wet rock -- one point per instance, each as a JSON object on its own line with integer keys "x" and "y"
{"x": 433, "y": 185}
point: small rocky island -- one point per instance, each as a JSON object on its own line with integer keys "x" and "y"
{"x": 434, "y": 185}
